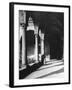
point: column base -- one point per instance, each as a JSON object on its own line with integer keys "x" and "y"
{"x": 23, "y": 67}
{"x": 47, "y": 59}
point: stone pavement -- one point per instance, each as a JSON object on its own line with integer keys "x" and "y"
{"x": 51, "y": 69}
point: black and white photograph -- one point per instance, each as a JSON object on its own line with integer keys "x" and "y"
{"x": 41, "y": 44}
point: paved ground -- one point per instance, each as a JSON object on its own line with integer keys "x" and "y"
{"x": 53, "y": 68}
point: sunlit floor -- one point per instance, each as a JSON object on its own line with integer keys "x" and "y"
{"x": 52, "y": 69}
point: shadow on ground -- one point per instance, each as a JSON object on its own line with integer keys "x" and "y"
{"x": 28, "y": 70}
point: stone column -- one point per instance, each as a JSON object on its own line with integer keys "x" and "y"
{"x": 42, "y": 44}
{"x": 42, "y": 48}
{"x": 22, "y": 34}
{"x": 23, "y": 44}
{"x": 36, "y": 43}
{"x": 36, "y": 48}
{"x": 23, "y": 48}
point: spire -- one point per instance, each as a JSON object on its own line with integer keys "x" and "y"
{"x": 30, "y": 21}
{"x": 30, "y": 24}
{"x": 30, "y": 18}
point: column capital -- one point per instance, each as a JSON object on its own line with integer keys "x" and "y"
{"x": 36, "y": 35}
{"x": 22, "y": 24}
{"x": 42, "y": 36}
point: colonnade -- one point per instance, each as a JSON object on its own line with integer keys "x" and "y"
{"x": 22, "y": 35}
